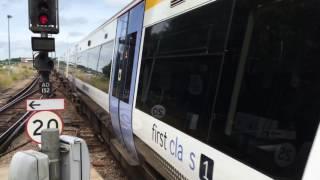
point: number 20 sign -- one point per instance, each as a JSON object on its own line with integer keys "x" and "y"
{"x": 41, "y": 120}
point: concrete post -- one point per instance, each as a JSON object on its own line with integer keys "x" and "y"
{"x": 51, "y": 147}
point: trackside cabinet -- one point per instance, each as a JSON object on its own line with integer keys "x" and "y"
{"x": 75, "y": 161}
{"x": 29, "y": 165}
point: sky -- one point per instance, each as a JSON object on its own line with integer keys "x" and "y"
{"x": 77, "y": 19}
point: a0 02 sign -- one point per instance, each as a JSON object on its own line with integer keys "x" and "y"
{"x": 41, "y": 120}
{"x": 45, "y": 88}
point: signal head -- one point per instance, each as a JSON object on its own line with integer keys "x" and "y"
{"x": 43, "y": 16}
{"x": 44, "y": 13}
{"x": 43, "y": 19}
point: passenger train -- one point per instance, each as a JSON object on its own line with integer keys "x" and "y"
{"x": 208, "y": 89}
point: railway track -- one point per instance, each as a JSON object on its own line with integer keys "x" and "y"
{"x": 13, "y": 115}
{"x": 21, "y": 95}
{"x": 13, "y": 118}
{"x": 79, "y": 125}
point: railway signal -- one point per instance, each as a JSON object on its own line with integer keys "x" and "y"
{"x": 44, "y": 19}
{"x": 44, "y": 16}
{"x": 43, "y": 62}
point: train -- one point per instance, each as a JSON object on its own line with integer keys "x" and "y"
{"x": 208, "y": 89}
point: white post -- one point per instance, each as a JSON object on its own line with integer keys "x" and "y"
{"x": 9, "y": 46}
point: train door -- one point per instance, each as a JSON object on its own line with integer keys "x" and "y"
{"x": 129, "y": 30}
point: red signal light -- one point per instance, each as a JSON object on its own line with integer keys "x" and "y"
{"x": 43, "y": 19}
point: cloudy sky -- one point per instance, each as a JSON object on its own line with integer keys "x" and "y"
{"x": 77, "y": 19}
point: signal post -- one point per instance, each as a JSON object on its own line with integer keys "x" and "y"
{"x": 44, "y": 20}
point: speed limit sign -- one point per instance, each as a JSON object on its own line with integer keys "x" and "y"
{"x": 41, "y": 120}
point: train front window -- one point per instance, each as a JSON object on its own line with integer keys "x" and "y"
{"x": 273, "y": 110}
{"x": 180, "y": 68}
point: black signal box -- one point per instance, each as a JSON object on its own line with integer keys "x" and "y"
{"x": 44, "y": 16}
{"x": 43, "y": 44}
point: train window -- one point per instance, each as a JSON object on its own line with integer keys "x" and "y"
{"x": 267, "y": 114}
{"x": 71, "y": 63}
{"x": 128, "y": 64}
{"x": 89, "y": 43}
{"x": 93, "y": 66}
{"x": 104, "y": 65}
{"x": 129, "y": 27}
{"x": 81, "y": 59}
{"x": 180, "y": 68}
{"x": 93, "y": 58}
{"x": 62, "y": 66}
{"x": 134, "y": 25}
{"x": 120, "y": 54}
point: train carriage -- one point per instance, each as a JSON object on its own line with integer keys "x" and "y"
{"x": 209, "y": 89}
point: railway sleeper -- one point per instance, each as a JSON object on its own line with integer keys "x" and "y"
{"x": 101, "y": 124}
{"x": 134, "y": 170}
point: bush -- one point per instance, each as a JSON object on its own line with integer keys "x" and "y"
{"x": 7, "y": 78}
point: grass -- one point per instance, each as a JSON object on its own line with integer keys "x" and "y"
{"x": 17, "y": 73}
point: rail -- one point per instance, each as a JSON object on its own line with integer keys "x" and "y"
{"x": 17, "y": 127}
{"x": 13, "y": 131}
{"x": 21, "y": 95}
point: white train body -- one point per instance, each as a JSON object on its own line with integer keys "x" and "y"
{"x": 215, "y": 89}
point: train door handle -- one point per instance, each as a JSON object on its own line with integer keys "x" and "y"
{"x": 119, "y": 74}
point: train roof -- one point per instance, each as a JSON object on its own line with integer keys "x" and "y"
{"x": 113, "y": 18}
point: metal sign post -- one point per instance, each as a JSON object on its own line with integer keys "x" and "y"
{"x": 51, "y": 147}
